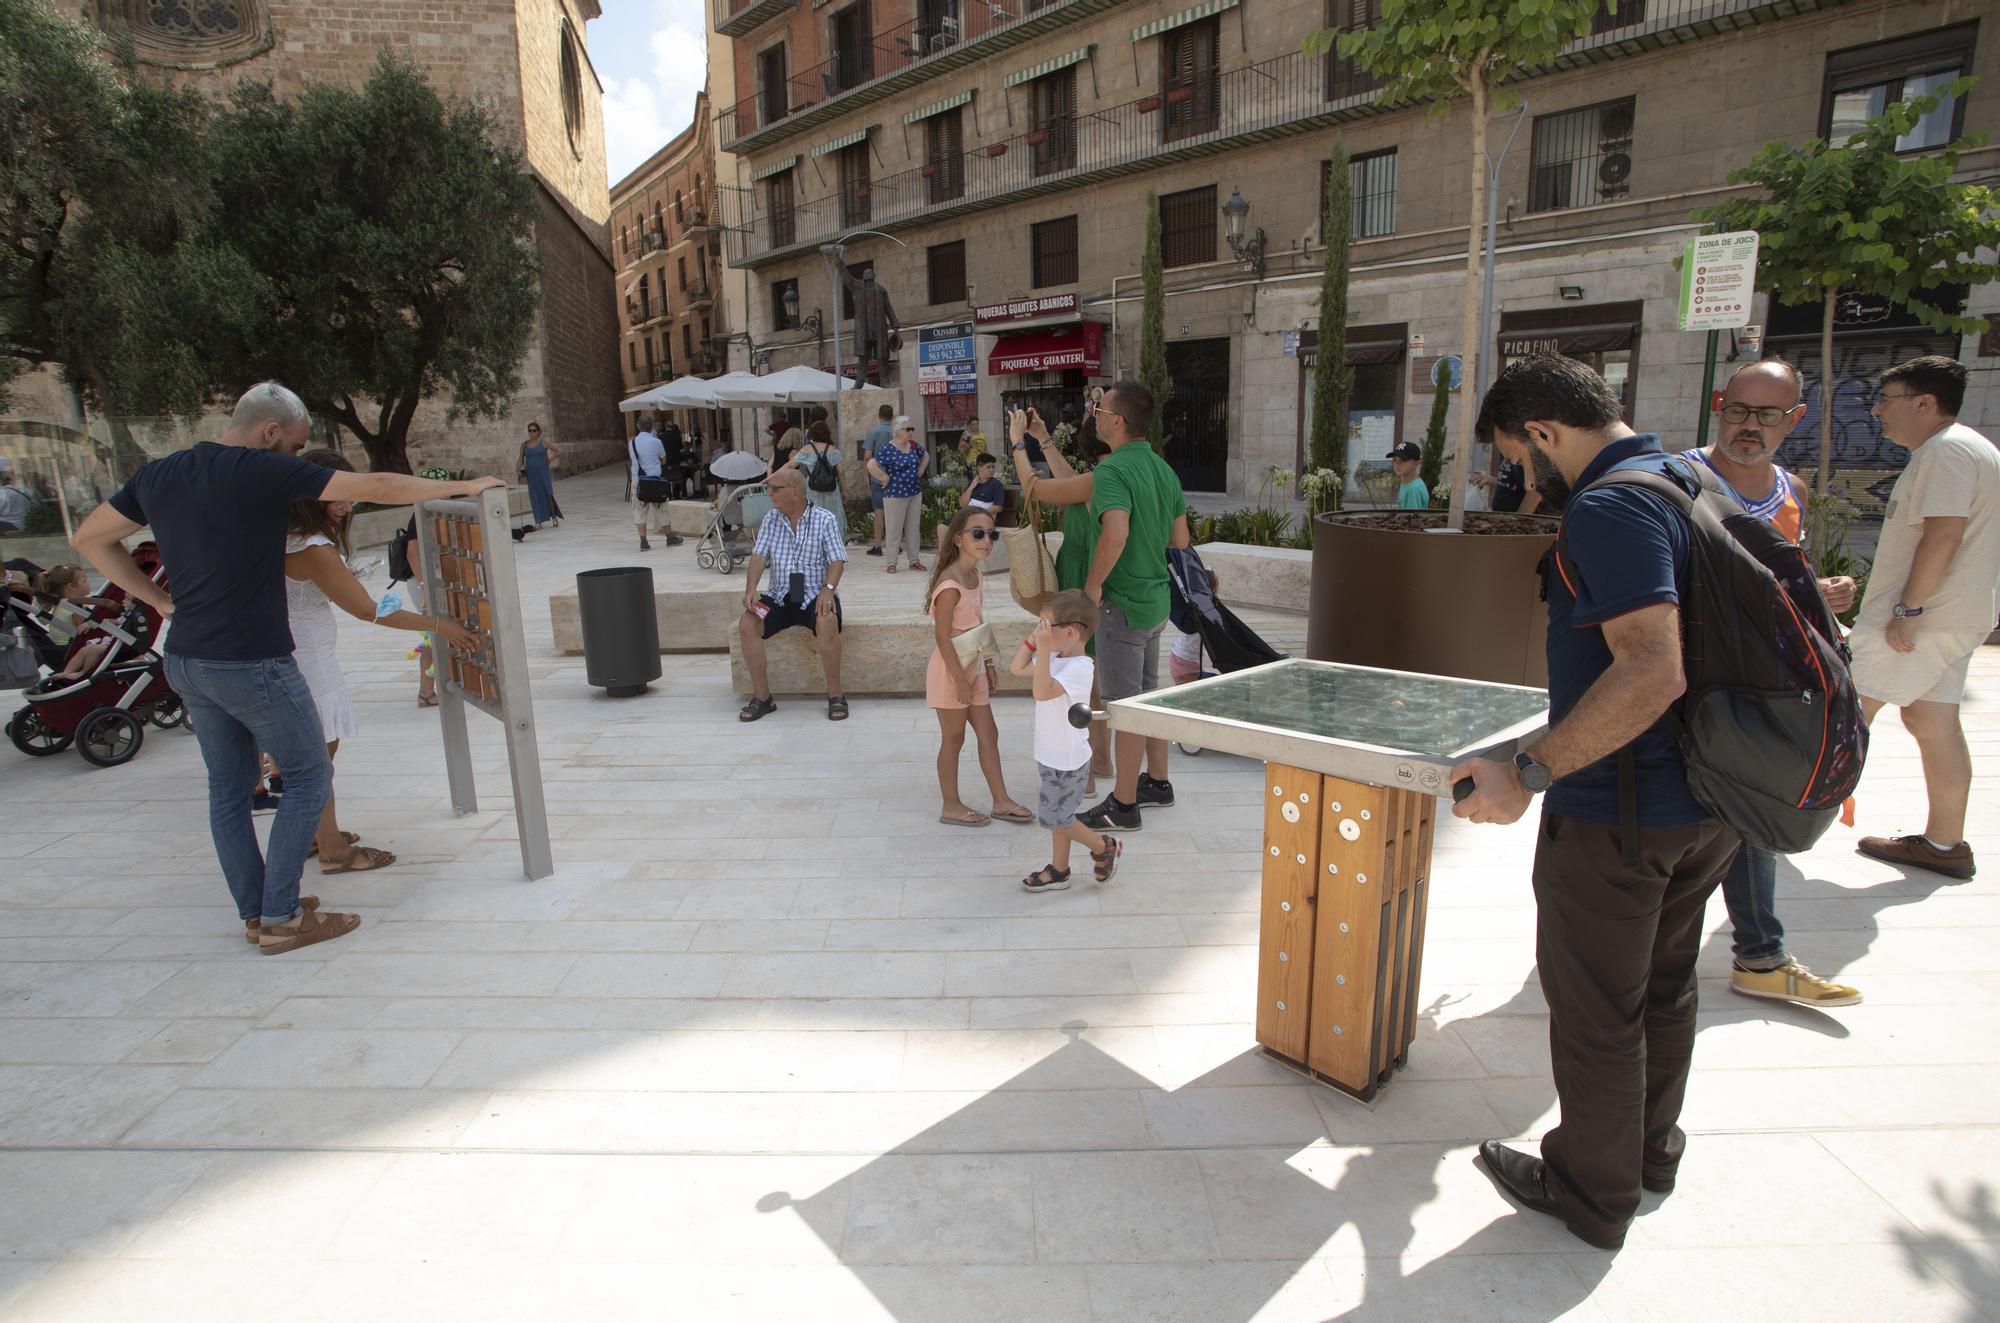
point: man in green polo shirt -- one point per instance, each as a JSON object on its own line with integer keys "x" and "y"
{"x": 1137, "y": 504}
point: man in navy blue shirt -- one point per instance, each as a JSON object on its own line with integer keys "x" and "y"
{"x": 1626, "y": 858}
{"x": 218, "y": 511}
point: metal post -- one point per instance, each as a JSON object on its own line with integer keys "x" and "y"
{"x": 517, "y": 708}
{"x": 1707, "y": 390}
{"x": 1487, "y": 353}
{"x": 835, "y": 273}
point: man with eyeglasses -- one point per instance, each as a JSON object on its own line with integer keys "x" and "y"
{"x": 1137, "y": 503}
{"x": 1763, "y": 402}
{"x": 1931, "y": 597}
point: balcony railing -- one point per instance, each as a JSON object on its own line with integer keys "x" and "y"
{"x": 1273, "y": 98}
{"x": 734, "y": 18}
{"x": 944, "y": 35}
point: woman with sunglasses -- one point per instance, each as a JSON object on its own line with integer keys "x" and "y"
{"x": 537, "y": 457}
{"x": 900, "y": 467}
{"x": 959, "y": 684}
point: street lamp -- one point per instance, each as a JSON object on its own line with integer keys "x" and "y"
{"x": 1249, "y": 251}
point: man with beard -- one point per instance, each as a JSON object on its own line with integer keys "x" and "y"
{"x": 1625, "y": 858}
{"x": 1762, "y": 404}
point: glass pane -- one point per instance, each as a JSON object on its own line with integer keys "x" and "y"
{"x": 1615, "y": 366}
{"x": 1934, "y": 129}
{"x": 1429, "y": 715}
{"x": 1853, "y": 109}
{"x": 1375, "y": 386}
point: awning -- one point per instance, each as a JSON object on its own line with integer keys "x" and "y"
{"x": 774, "y": 168}
{"x": 844, "y": 140}
{"x": 1034, "y": 71}
{"x": 1182, "y": 19}
{"x": 1079, "y": 347}
{"x": 939, "y": 107}
{"x": 1569, "y": 339}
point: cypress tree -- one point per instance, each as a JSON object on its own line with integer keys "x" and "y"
{"x": 1153, "y": 374}
{"x": 1333, "y": 380}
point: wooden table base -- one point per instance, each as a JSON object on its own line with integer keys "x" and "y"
{"x": 1341, "y": 932}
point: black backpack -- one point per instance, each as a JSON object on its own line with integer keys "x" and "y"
{"x": 400, "y": 569}
{"x": 824, "y": 477}
{"x": 1770, "y": 727}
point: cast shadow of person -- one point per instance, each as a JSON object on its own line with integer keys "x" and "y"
{"x": 1209, "y": 1230}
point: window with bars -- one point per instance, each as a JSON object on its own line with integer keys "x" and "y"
{"x": 652, "y": 361}
{"x": 783, "y": 319}
{"x": 645, "y": 313}
{"x": 632, "y": 353}
{"x": 687, "y": 343}
{"x": 1191, "y": 79}
{"x": 1187, "y": 227}
{"x": 855, "y": 190}
{"x": 778, "y": 204}
{"x": 681, "y": 274}
{"x": 1052, "y": 249}
{"x": 947, "y": 271}
{"x": 1345, "y": 78}
{"x": 853, "y": 47}
{"x": 774, "y": 90}
{"x": 680, "y": 211}
{"x": 1052, "y": 99}
{"x": 1864, "y": 82}
{"x": 944, "y": 156}
{"x": 1373, "y": 183}
{"x": 1582, "y": 157}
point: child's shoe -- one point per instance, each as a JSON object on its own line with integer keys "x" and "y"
{"x": 1047, "y": 878}
{"x": 1107, "y": 863}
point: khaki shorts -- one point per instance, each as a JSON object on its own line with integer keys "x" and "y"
{"x": 1934, "y": 673}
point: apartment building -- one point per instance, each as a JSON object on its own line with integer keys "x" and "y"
{"x": 668, "y": 252}
{"x": 993, "y": 159}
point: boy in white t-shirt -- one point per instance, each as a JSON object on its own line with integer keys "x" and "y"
{"x": 1053, "y": 655}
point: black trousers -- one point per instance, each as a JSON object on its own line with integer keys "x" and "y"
{"x": 1616, "y": 944}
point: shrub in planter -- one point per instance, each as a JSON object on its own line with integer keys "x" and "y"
{"x": 1147, "y": 105}
{"x": 1180, "y": 94}
{"x": 1037, "y": 138}
{"x": 996, "y": 149}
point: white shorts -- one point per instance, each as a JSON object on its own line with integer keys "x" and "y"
{"x": 1934, "y": 673}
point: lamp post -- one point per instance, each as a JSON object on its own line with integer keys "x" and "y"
{"x": 1249, "y": 251}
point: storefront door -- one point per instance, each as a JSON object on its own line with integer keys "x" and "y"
{"x": 1604, "y": 336}
{"x": 1196, "y": 421}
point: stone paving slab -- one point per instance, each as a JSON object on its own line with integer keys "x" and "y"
{"x": 774, "y": 1043}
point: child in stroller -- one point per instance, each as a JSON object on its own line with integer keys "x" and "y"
{"x": 64, "y": 604}
{"x": 102, "y": 703}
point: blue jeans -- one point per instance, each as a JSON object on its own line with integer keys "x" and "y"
{"x": 1751, "y": 893}
{"x": 238, "y": 710}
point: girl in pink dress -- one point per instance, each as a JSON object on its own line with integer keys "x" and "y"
{"x": 956, "y": 606}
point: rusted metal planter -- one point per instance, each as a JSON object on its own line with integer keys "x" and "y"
{"x": 1385, "y": 593}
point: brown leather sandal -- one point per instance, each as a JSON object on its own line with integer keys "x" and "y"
{"x": 309, "y": 928}
{"x": 251, "y": 927}
{"x": 360, "y": 859}
{"x": 351, "y": 837}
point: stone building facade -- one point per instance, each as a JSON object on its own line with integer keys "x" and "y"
{"x": 527, "y": 63}
{"x": 673, "y": 320}
{"x": 1008, "y": 151}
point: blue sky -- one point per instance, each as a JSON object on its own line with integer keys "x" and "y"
{"x": 652, "y": 58}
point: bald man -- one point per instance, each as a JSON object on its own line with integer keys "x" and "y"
{"x": 1762, "y": 404}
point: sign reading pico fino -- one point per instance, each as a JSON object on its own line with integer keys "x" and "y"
{"x": 1718, "y": 281}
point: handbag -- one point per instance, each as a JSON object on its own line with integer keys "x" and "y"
{"x": 651, "y": 490}
{"x": 1031, "y": 570}
{"x": 824, "y": 477}
{"x": 975, "y": 647}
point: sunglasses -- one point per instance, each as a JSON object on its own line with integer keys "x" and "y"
{"x": 983, "y": 534}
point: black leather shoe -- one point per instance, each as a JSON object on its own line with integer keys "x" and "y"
{"x": 1656, "y": 1180}
{"x": 1522, "y": 1179}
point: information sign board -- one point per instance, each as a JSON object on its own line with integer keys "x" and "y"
{"x": 1718, "y": 281}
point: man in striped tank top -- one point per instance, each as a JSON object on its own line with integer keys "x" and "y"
{"x": 1762, "y": 404}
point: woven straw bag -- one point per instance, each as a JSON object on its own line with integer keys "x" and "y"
{"x": 1031, "y": 569}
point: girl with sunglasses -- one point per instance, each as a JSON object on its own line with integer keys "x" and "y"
{"x": 960, "y": 681}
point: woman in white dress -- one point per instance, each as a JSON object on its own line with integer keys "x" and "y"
{"x": 316, "y": 580}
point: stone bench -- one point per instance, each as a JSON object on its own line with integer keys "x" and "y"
{"x": 1278, "y": 577}
{"x": 879, "y": 659}
{"x": 690, "y": 619}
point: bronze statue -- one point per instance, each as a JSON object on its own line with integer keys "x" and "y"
{"x": 875, "y": 323}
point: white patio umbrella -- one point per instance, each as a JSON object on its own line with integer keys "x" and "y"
{"x": 793, "y": 385}
{"x": 643, "y": 401}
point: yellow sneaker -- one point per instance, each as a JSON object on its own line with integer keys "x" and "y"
{"x": 1794, "y": 983}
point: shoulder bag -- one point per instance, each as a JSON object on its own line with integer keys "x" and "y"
{"x": 1031, "y": 570}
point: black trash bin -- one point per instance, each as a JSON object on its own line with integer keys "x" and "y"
{"x": 621, "y": 635}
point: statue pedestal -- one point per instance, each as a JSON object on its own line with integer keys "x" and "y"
{"x": 859, "y": 412}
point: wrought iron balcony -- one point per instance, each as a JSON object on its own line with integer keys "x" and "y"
{"x": 946, "y": 35}
{"x": 735, "y": 18}
{"x": 1293, "y": 93}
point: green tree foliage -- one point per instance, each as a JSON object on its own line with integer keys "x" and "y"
{"x": 1859, "y": 217}
{"x": 396, "y": 240}
{"x": 1438, "y": 50}
{"x": 114, "y": 265}
{"x": 1153, "y": 374}
{"x": 1430, "y": 466}
{"x": 1333, "y": 380}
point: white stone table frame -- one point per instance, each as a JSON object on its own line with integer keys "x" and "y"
{"x": 1356, "y": 759}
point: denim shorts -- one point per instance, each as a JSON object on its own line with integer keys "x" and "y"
{"x": 876, "y": 492}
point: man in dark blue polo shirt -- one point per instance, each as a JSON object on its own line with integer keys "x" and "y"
{"x": 218, "y": 511}
{"x": 1626, "y": 858}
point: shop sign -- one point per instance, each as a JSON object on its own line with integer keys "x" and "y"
{"x": 1291, "y": 344}
{"x": 1021, "y": 310}
{"x": 945, "y": 344}
{"x": 1718, "y": 281}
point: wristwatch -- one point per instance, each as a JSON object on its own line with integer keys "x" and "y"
{"x": 1902, "y": 612}
{"x": 1535, "y": 778}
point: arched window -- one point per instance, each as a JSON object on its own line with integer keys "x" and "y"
{"x": 572, "y": 87}
{"x": 188, "y": 34}
{"x": 680, "y": 212}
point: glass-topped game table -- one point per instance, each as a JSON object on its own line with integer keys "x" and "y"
{"x": 1356, "y": 758}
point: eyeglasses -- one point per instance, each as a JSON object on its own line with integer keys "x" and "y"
{"x": 983, "y": 534}
{"x": 1098, "y": 408}
{"x": 1769, "y": 415}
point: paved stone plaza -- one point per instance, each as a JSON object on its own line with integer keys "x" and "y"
{"x": 772, "y": 1043}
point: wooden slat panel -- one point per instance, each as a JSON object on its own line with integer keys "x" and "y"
{"x": 1420, "y": 813}
{"x": 1350, "y": 944}
{"x": 1285, "y": 926}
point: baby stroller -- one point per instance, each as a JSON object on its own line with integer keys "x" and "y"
{"x": 732, "y": 527}
{"x": 105, "y": 711}
{"x": 1221, "y": 637}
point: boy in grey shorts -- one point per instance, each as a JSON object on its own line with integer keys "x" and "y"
{"x": 1053, "y": 655}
